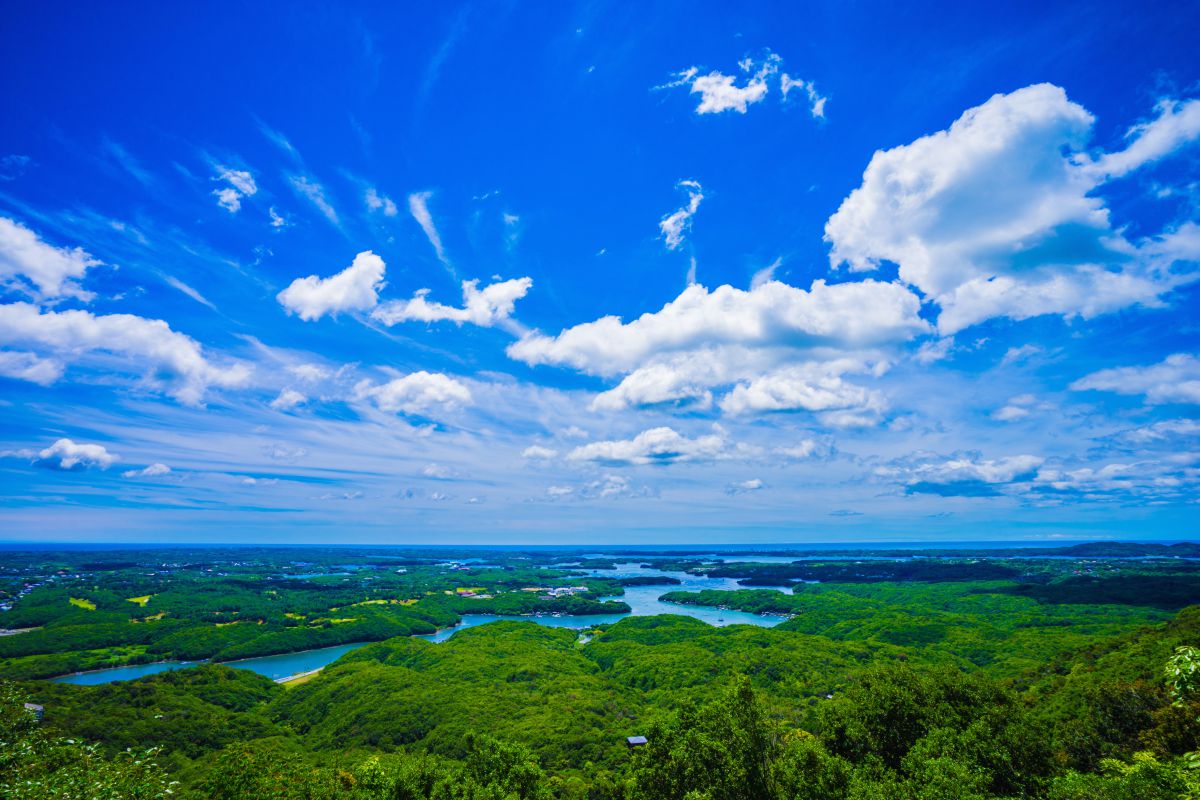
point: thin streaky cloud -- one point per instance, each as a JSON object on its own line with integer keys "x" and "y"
{"x": 188, "y": 290}
{"x": 418, "y": 206}
{"x": 314, "y": 192}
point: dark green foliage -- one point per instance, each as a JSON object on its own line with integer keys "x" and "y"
{"x": 907, "y": 680}
{"x": 870, "y": 571}
{"x": 1132, "y": 590}
{"x": 962, "y": 624}
{"x": 517, "y": 603}
{"x": 672, "y": 656}
{"x": 186, "y": 712}
{"x": 907, "y": 718}
{"x": 491, "y": 770}
{"x": 68, "y": 638}
{"x": 1144, "y": 778}
{"x": 517, "y": 680}
{"x": 724, "y": 750}
{"x": 35, "y": 764}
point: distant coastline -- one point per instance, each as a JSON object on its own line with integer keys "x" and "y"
{"x": 698, "y": 548}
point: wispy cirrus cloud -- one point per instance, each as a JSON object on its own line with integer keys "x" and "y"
{"x": 115, "y": 151}
{"x": 314, "y": 192}
{"x": 418, "y": 206}
{"x": 175, "y": 283}
{"x": 380, "y": 202}
{"x": 676, "y": 225}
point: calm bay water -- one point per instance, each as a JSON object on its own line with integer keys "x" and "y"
{"x": 274, "y": 667}
{"x": 642, "y": 599}
{"x": 644, "y": 602}
{"x": 122, "y": 673}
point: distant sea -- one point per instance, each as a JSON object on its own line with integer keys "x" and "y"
{"x": 705, "y": 547}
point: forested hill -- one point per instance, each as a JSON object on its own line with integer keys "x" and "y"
{"x": 865, "y": 678}
{"x": 514, "y": 710}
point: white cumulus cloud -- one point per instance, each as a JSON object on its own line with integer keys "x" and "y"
{"x": 720, "y": 92}
{"x": 658, "y": 446}
{"x": 149, "y": 344}
{"x": 155, "y": 470}
{"x": 806, "y": 449}
{"x": 703, "y": 340}
{"x": 838, "y": 316}
{"x": 288, "y": 399}
{"x": 239, "y": 183}
{"x": 354, "y": 288}
{"x": 68, "y": 455}
{"x": 814, "y": 386}
{"x": 484, "y": 307}
{"x": 997, "y": 216}
{"x": 418, "y": 393}
{"x": 30, "y": 367}
{"x": 964, "y": 474}
{"x": 437, "y": 471}
{"x": 38, "y": 269}
{"x": 746, "y": 486}
{"x": 1175, "y": 380}
{"x": 680, "y": 381}
{"x": 816, "y": 102}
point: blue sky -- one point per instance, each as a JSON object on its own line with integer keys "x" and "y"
{"x": 599, "y": 272}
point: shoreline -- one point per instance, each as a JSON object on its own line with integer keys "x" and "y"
{"x": 16, "y": 631}
{"x": 185, "y": 664}
{"x": 426, "y": 636}
{"x": 121, "y": 666}
{"x": 298, "y": 676}
{"x": 298, "y": 652}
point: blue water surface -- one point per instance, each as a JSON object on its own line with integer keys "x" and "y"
{"x": 642, "y": 599}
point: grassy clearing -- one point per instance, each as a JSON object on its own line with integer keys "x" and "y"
{"x": 380, "y": 602}
{"x": 292, "y": 683}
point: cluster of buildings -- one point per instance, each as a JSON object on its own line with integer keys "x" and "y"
{"x": 557, "y": 591}
{"x": 26, "y": 588}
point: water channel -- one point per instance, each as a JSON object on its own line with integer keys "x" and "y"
{"x": 642, "y": 599}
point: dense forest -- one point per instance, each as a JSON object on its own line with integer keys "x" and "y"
{"x": 897, "y": 680}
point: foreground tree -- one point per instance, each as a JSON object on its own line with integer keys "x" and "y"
{"x": 36, "y": 765}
